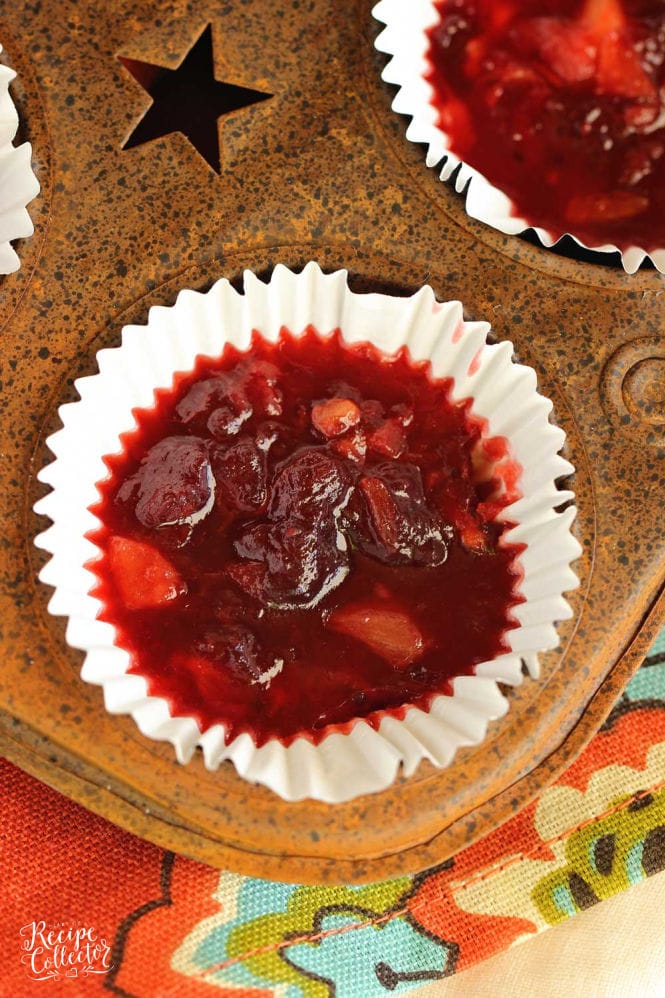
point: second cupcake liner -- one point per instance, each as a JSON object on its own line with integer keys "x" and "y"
{"x": 18, "y": 184}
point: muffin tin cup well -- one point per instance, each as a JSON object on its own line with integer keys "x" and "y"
{"x": 405, "y": 40}
{"x": 359, "y": 760}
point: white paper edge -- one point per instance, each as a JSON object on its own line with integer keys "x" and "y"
{"x": 341, "y": 767}
{"x": 18, "y": 183}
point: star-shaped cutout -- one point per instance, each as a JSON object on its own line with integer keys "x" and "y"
{"x": 188, "y": 99}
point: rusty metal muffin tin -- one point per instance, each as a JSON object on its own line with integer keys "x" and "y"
{"x": 321, "y": 171}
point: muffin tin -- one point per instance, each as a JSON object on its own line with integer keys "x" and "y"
{"x": 319, "y": 171}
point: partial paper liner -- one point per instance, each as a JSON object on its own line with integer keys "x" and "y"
{"x": 342, "y": 766}
{"x": 18, "y": 184}
{"x": 405, "y": 39}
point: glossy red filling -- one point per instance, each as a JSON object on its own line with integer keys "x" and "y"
{"x": 303, "y": 535}
{"x": 559, "y": 104}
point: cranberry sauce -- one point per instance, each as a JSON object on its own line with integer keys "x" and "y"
{"x": 303, "y": 535}
{"x": 559, "y": 103}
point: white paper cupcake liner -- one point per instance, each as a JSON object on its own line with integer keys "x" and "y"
{"x": 341, "y": 766}
{"x": 404, "y": 38}
{"x": 18, "y": 184}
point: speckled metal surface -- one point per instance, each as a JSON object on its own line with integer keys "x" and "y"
{"x": 320, "y": 171}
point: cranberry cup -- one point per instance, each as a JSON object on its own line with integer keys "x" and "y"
{"x": 588, "y": 57}
{"x": 355, "y": 758}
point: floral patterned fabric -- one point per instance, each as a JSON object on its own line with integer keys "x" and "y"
{"x": 173, "y": 927}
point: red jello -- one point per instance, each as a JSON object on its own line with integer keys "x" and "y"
{"x": 559, "y": 104}
{"x": 305, "y": 534}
